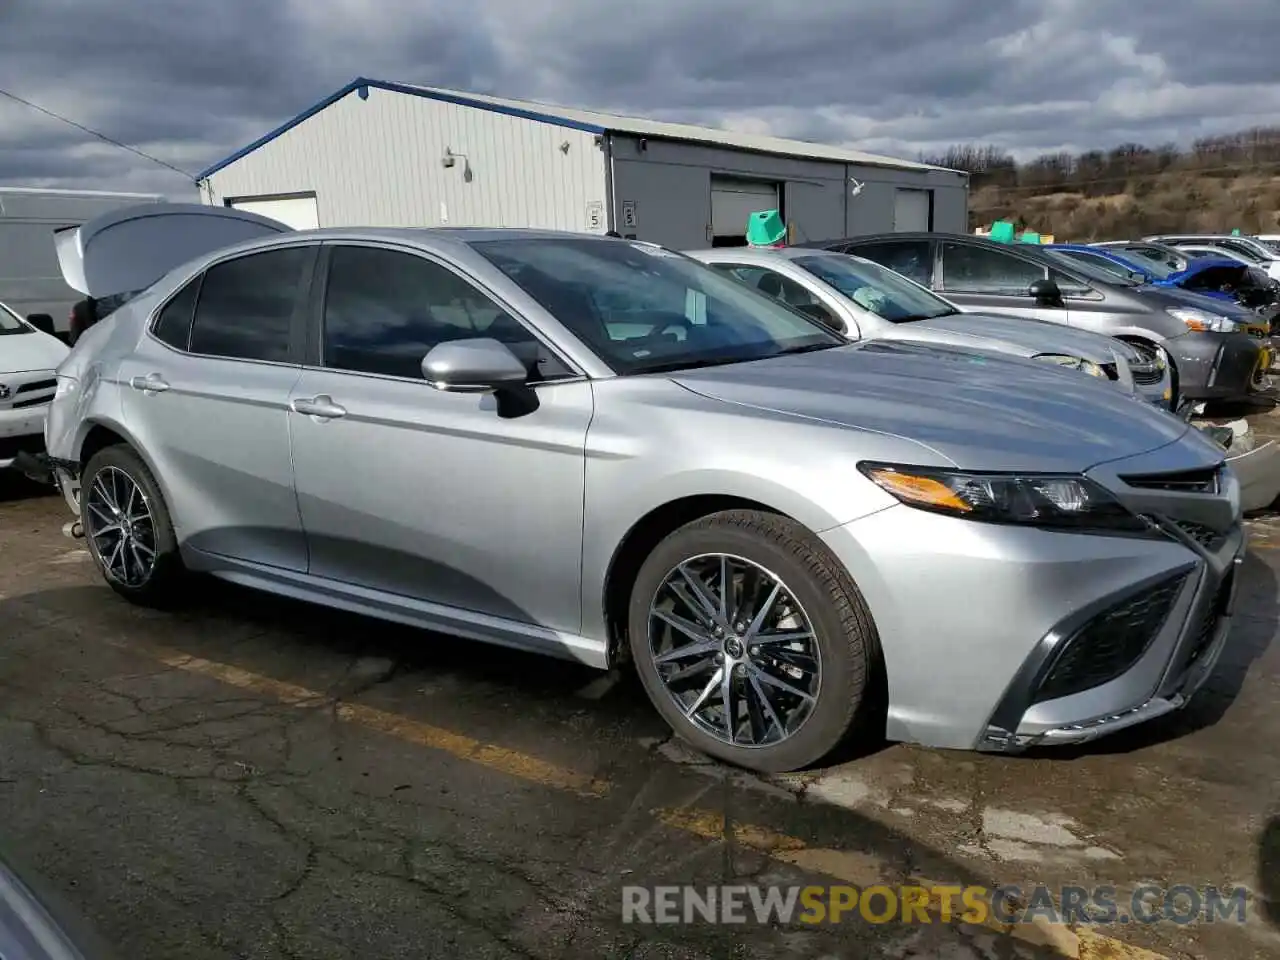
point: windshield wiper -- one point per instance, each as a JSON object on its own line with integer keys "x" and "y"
{"x": 688, "y": 364}
{"x": 913, "y": 317}
{"x": 805, "y": 348}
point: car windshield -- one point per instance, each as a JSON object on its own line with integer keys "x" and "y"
{"x": 878, "y": 289}
{"x": 10, "y": 322}
{"x": 1157, "y": 268}
{"x": 643, "y": 308}
{"x": 1059, "y": 259}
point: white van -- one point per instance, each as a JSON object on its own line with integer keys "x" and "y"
{"x": 30, "y": 280}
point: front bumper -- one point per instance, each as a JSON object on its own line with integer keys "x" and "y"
{"x": 21, "y": 431}
{"x": 972, "y": 618}
{"x": 1216, "y": 366}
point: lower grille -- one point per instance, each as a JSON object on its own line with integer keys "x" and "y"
{"x": 33, "y": 402}
{"x": 1207, "y": 537}
{"x": 1207, "y": 625}
{"x": 1111, "y": 642}
{"x": 12, "y": 446}
{"x": 1146, "y": 376}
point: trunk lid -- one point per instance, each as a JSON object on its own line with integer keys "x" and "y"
{"x": 131, "y": 248}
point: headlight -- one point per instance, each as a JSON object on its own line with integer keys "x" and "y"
{"x": 66, "y": 385}
{"x": 1203, "y": 320}
{"x": 1073, "y": 363}
{"x": 1062, "y": 502}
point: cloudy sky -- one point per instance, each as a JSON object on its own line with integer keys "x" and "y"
{"x": 189, "y": 82}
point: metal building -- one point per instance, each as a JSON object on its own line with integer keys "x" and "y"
{"x": 395, "y": 154}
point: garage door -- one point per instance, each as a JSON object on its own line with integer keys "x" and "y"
{"x": 301, "y": 213}
{"x": 733, "y": 201}
{"x": 911, "y": 210}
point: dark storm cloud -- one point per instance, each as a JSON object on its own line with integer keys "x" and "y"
{"x": 191, "y": 82}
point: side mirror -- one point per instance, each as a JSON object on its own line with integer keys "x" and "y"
{"x": 42, "y": 322}
{"x": 475, "y": 365}
{"x": 1137, "y": 276}
{"x": 1045, "y": 293}
{"x": 820, "y": 313}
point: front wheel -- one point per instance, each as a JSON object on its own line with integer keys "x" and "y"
{"x": 127, "y": 527}
{"x": 752, "y": 641}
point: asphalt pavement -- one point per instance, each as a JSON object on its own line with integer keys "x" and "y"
{"x": 249, "y": 777}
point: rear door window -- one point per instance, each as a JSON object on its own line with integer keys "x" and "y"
{"x": 911, "y": 258}
{"x": 247, "y": 306}
{"x": 969, "y": 268}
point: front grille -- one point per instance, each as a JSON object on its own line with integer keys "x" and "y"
{"x": 33, "y": 402}
{"x": 1205, "y": 480}
{"x": 1146, "y": 375}
{"x": 36, "y": 385}
{"x": 1207, "y": 625}
{"x": 1207, "y": 537}
{"x": 1111, "y": 642}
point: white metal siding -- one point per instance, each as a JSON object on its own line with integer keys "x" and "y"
{"x": 378, "y": 162}
{"x": 300, "y": 213}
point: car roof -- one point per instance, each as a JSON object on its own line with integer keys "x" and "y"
{"x": 764, "y": 254}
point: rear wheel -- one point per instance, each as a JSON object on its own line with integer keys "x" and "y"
{"x": 752, "y": 641}
{"x": 127, "y": 527}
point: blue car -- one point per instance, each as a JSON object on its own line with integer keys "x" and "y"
{"x": 1145, "y": 270}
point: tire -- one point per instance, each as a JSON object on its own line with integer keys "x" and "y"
{"x": 812, "y": 582}
{"x": 161, "y": 586}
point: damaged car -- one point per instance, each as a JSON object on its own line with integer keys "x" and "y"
{"x": 865, "y": 301}
{"x": 603, "y": 450}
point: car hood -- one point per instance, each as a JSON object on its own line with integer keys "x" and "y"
{"x": 1016, "y": 335}
{"x": 1165, "y": 297}
{"x": 131, "y": 248}
{"x": 978, "y": 411}
{"x": 20, "y": 352}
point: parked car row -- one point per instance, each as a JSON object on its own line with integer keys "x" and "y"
{"x": 607, "y": 451}
{"x": 1217, "y": 350}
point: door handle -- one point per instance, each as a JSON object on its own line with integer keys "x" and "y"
{"x": 321, "y": 406}
{"x": 151, "y": 383}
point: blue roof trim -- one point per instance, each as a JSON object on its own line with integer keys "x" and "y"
{"x": 361, "y": 86}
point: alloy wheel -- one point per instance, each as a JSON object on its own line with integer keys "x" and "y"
{"x": 735, "y": 650}
{"x": 119, "y": 521}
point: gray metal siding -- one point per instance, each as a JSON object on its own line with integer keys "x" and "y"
{"x": 377, "y": 162}
{"x": 670, "y": 184}
{"x": 871, "y": 211}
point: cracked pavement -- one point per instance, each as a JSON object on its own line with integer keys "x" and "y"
{"x": 252, "y": 778}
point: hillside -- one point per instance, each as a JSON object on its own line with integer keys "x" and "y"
{"x": 1217, "y": 185}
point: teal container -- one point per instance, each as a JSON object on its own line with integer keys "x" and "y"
{"x": 765, "y": 228}
{"x": 1001, "y": 232}
{"x": 1029, "y": 237}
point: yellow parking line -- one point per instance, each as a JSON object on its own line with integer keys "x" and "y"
{"x": 511, "y": 762}
{"x": 846, "y": 866}
{"x": 861, "y": 870}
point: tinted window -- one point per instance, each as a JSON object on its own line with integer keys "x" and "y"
{"x": 384, "y": 311}
{"x": 1113, "y": 267}
{"x": 969, "y": 268}
{"x": 247, "y": 305}
{"x": 878, "y": 289}
{"x": 173, "y": 326}
{"x": 9, "y": 322}
{"x": 771, "y": 284}
{"x": 908, "y": 257}
{"x": 641, "y": 307}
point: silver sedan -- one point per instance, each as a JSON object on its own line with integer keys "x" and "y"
{"x": 866, "y": 300}
{"x": 603, "y": 450}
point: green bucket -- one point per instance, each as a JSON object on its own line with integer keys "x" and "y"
{"x": 765, "y": 228}
{"x": 1001, "y": 232}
